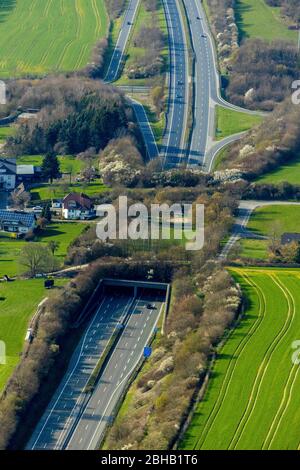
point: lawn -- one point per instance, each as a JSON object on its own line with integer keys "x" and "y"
{"x": 289, "y": 172}
{"x": 18, "y": 302}
{"x": 254, "y": 249}
{"x": 282, "y": 218}
{"x": 68, "y": 163}
{"x": 232, "y": 122}
{"x": 255, "y": 19}
{"x": 144, "y": 18}
{"x": 47, "y": 191}
{"x": 252, "y": 399}
{"x": 267, "y": 221}
{"x": 62, "y": 232}
{"x": 53, "y": 35}
{"x": 5, "y": 132}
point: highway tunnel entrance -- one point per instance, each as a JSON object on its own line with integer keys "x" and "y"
{"x": 136, "y": 288}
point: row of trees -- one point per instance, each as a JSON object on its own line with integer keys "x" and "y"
{"x": 222, "y": 17}
{"x": 274, "y": 142}
{"x": 115, "y": 8}
{"x": 289, "y": 8}
{"x": 151, "y": 38}
{"x": 262, "y": 73}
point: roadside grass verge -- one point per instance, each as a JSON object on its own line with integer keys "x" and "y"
{"x": 251, "y": 401}
{"x": 256, "y": 19}
{"x": 113, "y": 34}
{"x": 18, "y": 303}
{"x": 229, "y": 122}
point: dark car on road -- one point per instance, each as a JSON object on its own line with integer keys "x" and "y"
{"x": 151, "y": 307}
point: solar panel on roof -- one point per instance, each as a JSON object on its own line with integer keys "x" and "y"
{"x": 16, "y": 217}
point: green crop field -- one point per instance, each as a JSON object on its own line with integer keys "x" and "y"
{"x": 15, "y": 314}
{"x": 38, "y": 36}
{"x": 252, "y": 399}
{"x": 256, "y": 19}
{"x": 232, "y": 122}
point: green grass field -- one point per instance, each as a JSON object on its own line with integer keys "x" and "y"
{"x": 290, "y": 173}
{"x": 266, "y": 221}
{"x": 256, "y": 19}
{"x": 286, "y": 218}
{"x": 62, "y": 232}
{"x": 37, "y": 37}
{"x": 5, "y": 132}
{"x": 18, "y": 302}
{"x": 46, "y": 191}
{"x": 232, "y": 122}
{"x": 252, "y": 399}
{"x": 66, "y": 162}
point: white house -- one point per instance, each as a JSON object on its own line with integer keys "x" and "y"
{"x": 77, "y": 206}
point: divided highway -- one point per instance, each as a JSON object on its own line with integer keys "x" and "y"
{"x": 173, "y": 142}
{"x": 207, "y": 88}
{"x": 172, "y": 149}
{"x": 124, "y": 360}
{"x": 203, "y": 147}
{"x": 75, "y": 419}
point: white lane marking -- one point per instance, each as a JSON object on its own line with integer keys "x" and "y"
{"x": 125, "y": 379}
{"x": 71, "y": 375}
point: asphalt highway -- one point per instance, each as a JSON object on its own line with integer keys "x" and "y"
{"x": 74, "y": 419}
{"x": 66, "y": 403}
{"x": 124, "y": 360}
{"x": 115, "y": 65}
{"x": 173, "y": 142}
{"x": 204, "y": 148}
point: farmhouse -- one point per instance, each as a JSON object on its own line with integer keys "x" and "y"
{"x": 8, "y": 170}
{"x": 77, "y": 206}
{"x": 17, "y": 222}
